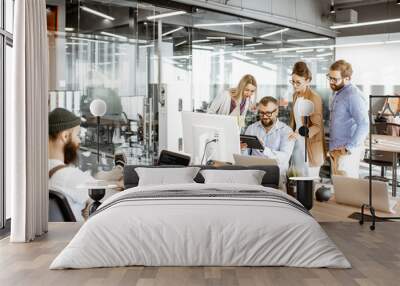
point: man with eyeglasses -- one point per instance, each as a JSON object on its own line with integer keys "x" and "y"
{"x": 272, "y": 133}
{"x": 348, "y": 121}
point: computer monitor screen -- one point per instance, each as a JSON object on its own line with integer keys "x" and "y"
{"x": 210, "y": 137}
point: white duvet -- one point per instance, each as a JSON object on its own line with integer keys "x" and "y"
{"x": 200, "y": 231}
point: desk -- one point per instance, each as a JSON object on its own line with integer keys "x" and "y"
{"x": 389, "y": 144}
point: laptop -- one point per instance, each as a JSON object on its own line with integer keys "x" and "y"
{"x": 245, "y": 160}
{"x": 355, "y": 192}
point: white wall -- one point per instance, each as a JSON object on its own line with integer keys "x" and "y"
{"x": 377, "y": 66}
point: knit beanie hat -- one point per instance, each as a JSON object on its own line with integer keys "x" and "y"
{"x": 61, "y": 119}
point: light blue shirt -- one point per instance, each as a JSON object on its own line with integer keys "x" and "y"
{"x": 276, "y": 143}
{"x": 349, "y": 122}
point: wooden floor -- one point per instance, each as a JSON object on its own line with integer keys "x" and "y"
{"x": 332, "y": 212}
{"x": 374, "y": 255}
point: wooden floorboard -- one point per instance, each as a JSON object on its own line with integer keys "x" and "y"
{"x": 374, "y": 255}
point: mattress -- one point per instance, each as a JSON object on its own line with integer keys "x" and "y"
{"x": 201, "y": 225}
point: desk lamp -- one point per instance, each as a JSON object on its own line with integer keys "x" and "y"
{"x": 98, "y": 108}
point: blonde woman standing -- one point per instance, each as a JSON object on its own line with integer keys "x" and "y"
{"x": 235, "y": 101}
{"x": 301, "y": 78}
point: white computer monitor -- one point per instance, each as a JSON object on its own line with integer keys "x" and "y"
{"x": 200, "y": 128}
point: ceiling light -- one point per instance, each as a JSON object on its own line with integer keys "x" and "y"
{"x": 216, "y": 38}
{"x": 259, "y": 53}
{"x": 286, "y": 56}
{"x": 275, "y": 32}
{"x": 393, "y": 42}
{"x": 180, "y": 57}
{"x": 261, "y": 50}
{"x": 254, "y": 44}
{"x": 398, "y": 2}
{"x": 137, "y": 41}
{"x": 358, "y": 44}
{"x": 113, "y": 35}
{"x": 88, "y": 40}
{"x": 147, "y": 46}
{"x": 159, "y": 16}
{"x": 172, "y": 31}
{"x": 180, "y": 43}
{"x": 224, "y": 24}
{"x": 305, "y": 51}
{"x": 242, "y": 57}
{"x": 97, "y": 13}
{"x": 67, "y": 29}
{"x": 272, "y": 42}
{"x": 307, "y": 40}
{"x": 200, "y": 41}
{"x": 202, "y": 47}
{"x": 325, "y": 55}
{"x": 365, "y": 23}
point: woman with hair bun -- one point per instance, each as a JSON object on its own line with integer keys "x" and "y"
{"x": 301, "y": 78}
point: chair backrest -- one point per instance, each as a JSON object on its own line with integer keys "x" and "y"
{"x": 59, "y": 208}
{"x": 270, "y": 179}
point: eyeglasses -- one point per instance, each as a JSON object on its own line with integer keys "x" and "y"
{"x": 333, "y": 79}
{"x": 267, "y": 113}
{"x": 296, "y": 83}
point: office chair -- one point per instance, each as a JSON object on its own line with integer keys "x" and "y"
{"x": 59, "y": 208}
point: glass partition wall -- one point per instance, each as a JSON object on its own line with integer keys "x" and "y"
{"x": 149, "y": 61}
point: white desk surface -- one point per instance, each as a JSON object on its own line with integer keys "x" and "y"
{"x": 384, "y": 143}
{"x": 97, "y": 185}
{"x": 303, "y": 178}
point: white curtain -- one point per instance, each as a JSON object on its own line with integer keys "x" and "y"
{"x": 27, "y": 123}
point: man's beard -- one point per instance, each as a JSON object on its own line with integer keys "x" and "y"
{"x": 71, "y": 153}
{"x": 335, "y": 87}
{"x": 267, "y": 123}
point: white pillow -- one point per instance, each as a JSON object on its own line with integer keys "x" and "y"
{"x": 248, "y": 177}
{"x": 166, "y": 176}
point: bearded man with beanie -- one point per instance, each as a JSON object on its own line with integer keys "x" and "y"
{"x": 64, "y": 176}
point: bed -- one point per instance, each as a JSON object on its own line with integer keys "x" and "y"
{"x": 197, "y": 224}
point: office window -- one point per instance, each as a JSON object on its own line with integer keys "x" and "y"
{"x": 9, "y": 15}
{"x": 6, "y": 65}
